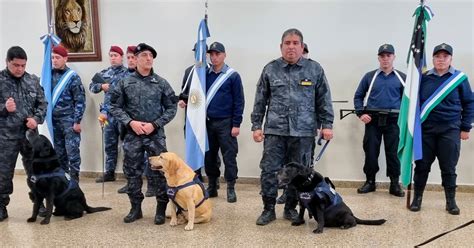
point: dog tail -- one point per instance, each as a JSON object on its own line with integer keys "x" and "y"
{"x": 370, "y": 222}
{"x": 90, "y": 210}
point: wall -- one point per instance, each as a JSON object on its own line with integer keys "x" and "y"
{"x": 342, "y": 35}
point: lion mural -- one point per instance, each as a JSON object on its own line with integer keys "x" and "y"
{"x": 71, "y": 24}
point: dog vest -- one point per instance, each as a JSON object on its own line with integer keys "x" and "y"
{"x": 171, "y": 192}
{"x": 321, "y": 191}
{"x": 72, "y": 184}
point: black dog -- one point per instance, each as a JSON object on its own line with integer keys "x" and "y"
{"x": 321, "y": 200}
{"x": 50, "y": 182}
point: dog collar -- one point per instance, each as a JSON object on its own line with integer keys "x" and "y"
{"x": 309, "y": 179}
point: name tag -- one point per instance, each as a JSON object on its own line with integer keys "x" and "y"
{"x": 306, "y": 82}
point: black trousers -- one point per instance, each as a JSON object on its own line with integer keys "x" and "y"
{"x": 219, "y": 136}
{"x": 375, "y": 130}
{"x": 442, "y": 141}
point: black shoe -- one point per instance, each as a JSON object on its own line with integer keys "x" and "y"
{"x": 123, "y": 190}
{"x": 3, "y": 213}
{"x": 134, "y": 214}
{"x": 107, "y": 177}
{"x": 451, "y": 206}
{"x": 290, "y": 214}
{"x": 42, "y": 211}
{"x": 282, "y": 198}
{"x": 266, "y": 217}
{"x": 416, "y": 203}
{"x": 160, "y": 213}
{"x": 231, "y": 196}
{"x": 369, "y": 186}
{"x": 396, "y": 190}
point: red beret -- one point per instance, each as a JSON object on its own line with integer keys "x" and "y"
{"x": 116, "y": 49}
{"x": 131, "y": 49}
{"x": 60, "y": 50}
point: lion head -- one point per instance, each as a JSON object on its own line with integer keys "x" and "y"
{"x": 71, "y": 23}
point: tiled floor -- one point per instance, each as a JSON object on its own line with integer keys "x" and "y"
{"x": 233, "y": 225}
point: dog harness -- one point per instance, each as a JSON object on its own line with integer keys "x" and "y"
{"x": 171, "y": 192}
{"x": 321, "y": 191}
{"x": 58, "y": 172}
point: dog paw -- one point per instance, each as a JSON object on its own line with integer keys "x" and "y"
{"x": 189, "y": 227}
{"x": 297, "y": 223}
{"x": 32, "y": 219}
{"x": 317, "y": 230}
{"x": 44, "y": 222}
{"x": 173, "y": 222}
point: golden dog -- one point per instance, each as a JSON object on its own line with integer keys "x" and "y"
{"x": 177, "y": 174}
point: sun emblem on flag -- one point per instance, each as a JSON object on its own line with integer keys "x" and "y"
{"x": 195, "y": 98}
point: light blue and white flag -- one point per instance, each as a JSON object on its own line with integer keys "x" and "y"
{"x": 196, "y": 133}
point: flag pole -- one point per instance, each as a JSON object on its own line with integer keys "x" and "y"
{"x": 205, "y": 10}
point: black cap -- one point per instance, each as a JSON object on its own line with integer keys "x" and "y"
{"x": 217, "y": 47}
{"x": 443, "y": 47}
{"x": 305, "y": 49}
{"x": 194, "y": 48}
{"x": 386, "y": 48}
{"x": 144, "y": 47}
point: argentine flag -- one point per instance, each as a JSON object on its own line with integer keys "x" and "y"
{"x": 196, "y": 133}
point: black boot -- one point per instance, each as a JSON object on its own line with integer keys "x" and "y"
{"x": 268, "y": 215}
{"x": 212, "y": 187}
{"x": 231, "y": 196}
{"x": 160, "y": 213}
{"x": 107, "y": 177}
{"x": 416, "y": 203}
{"x": 123, "y": 190}
{"x": 282, "y": 198}
{"x": 4, "y": 200}
{"x": 369, "y": 186}
{"x": 451, "y": 206}
{"x": 134, "y": 214}
{"x": 395, "y": 188}
{"x": 151, "y": 186}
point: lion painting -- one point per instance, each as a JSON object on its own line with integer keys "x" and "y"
{"x": 71, "y": 24}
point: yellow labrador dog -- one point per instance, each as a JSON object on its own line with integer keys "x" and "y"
{"x": 185, "y": 191}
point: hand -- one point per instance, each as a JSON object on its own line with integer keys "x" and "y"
{"x": 464, "y": 135}
{"x": 326, "y": 133}
{"x": 235, "y": 131}
{"x": 105, "y": 87}
{"x": 10, "y": 105}
{"x": 148, "y": 128}
{"x": 137, "y": 127}
{"x": 31, "y": 123}
{"x": 365, "y": 118}
{"x": 181, "y": 104}
{"x": 102, "y": 119}
{"x": 77, "y": 127}
{"x": 258, "y": 135}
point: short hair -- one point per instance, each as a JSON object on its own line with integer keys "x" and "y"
{"x": 292, "y": 31}
{"x": 16, "y": 52}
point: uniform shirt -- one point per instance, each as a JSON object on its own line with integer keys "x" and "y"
{"x": 72, "y": 102}
{"x": 29, "y": 99}
{"x": 386, "y": 93}
{"x": 111, "y": 76}
{"x": 144, "y": 98}
{"x": 294, "y": 99}
{"x": 456, "y": 106}
{"x": 228, "y": 102}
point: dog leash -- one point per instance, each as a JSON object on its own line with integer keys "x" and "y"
{"x": 442, "y": 234}
{"x": 320, "y": 142}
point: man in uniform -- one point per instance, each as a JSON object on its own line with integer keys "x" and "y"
{"x": 225, "y": 106}
{"x": 22, "y": 108}
{"x": 144, "y": 102}
{"x": 293, "y": 95}
{"x": 446, "y": 119}
{"x": 68, "y": 110}
{"x": 377, "y": 103}
{"x": 104, "y": 81}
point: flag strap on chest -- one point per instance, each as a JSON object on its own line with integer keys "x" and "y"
{"x": 62, "y": 83}
{"x": 216, "y": 85}
{"x": 443, "y": 90}
{"x": 366, "y": 99}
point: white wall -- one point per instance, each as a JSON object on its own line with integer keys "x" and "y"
{"x": 343, "y": 35}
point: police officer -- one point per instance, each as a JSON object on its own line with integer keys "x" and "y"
{"x": 290, "y": 92}
{"x": 446, "y": 119}
{"x": 22, "y": 108}
{"x": 381, "y": 91}
{"x": 68, "y": 111}
{"x": 144, "y": 102}
{"x": 102, "y": 82}
{"x": 225, "y": 99}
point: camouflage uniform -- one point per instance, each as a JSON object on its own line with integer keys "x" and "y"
{"x": 148, "y": 99}
{"x": 30, "y": 102}
{"x": 294, "y": 99}
{"x": 112, "y": 131}
{"x": 68, "y": 110}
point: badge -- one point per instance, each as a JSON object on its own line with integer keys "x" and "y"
{"x": 306, "y": 82}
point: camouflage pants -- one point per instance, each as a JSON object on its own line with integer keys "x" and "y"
{"x": 66, "y": 144}
{"x": 277, "y": 151}
{"x": 134, "y": 147}
{"x": 9, "y": 150}
{"x": 111, "y": 140}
